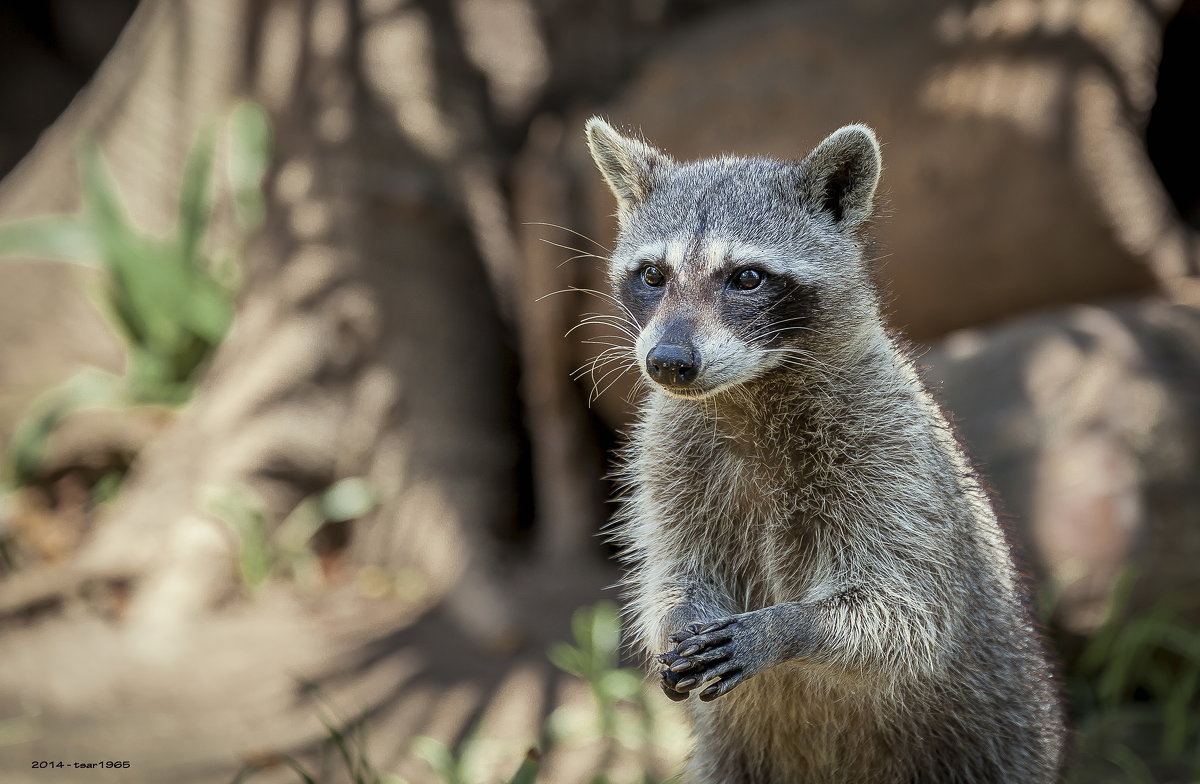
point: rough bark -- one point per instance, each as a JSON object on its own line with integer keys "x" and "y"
{"x": 366, "y": 343}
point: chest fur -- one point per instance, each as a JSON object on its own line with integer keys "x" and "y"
{"x": 738, "y": 512}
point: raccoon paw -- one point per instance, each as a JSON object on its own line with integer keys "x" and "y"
{"x": 704, "y": 652}
{"x": 669, "y": 681}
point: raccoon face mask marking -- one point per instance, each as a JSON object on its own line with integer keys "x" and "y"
{"x": 730, "y": 266}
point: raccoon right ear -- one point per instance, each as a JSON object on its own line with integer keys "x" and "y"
{"x": 839, "y": 177}
{"x": 630, "y": 167}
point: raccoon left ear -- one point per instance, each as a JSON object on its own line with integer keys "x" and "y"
{"x": 630, "y": 167}
{"x": 839, "y": 177}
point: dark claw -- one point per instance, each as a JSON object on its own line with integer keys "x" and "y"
{"x": 670, "y": 687}
{"x": 682, "y": 664}
{"x": 730, "y": 677}
{"x": 701, "y": 660}
{"x": 671, "y": 678}
{"x": 674, "y": 695}
{"x": 703, "y": 652}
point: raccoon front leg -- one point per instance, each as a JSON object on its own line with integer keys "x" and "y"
{"x": 851, "y": 629}
{"x": 734, "y": 648}
{"x": 697, "y": 604}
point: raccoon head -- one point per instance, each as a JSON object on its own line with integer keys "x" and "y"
{"x": 734, "y": 268}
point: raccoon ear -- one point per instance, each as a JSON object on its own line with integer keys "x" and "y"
{"x": 838, "y": 178}
{"x": 630, "y": 167}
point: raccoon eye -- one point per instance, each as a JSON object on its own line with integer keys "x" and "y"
{"x": 747, "y": 279}
{"x": 653, "y": 276}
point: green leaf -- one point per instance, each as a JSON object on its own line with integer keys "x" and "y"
{"x": 208, "y": 311}
{"x": 339, "y": 739}
{"x": 606, "y": 632}
{"x": 171, "y": 310}
{"x": 249, "y": 157}
{"x": 239, "y": 509}
{"x": 195, "y": 200}
{"x": 527, "y": 772}
{"x": 347, "y": 499}
{"x": 106, "y": 488}
{"x": 439, "y": 758}
{"x": 581, "y": 629}
{"x": 620, "y": 684}
{"x": 569, "y": 659}
{"x": 292, "y": 535}
{"x": 299, "y": 770}
{"x": 122, "y": 249}
{"x": 152, "y": 378}
{"x": 102, "y": 208}
{"x": 89, "y": 388}
{"x": 1135, "y": 769}
{"x": 1099, "y": 647}
{"x": 54, "y": 237}
{"x": 247, "y": 771}
{"x": 1179, "y": 708}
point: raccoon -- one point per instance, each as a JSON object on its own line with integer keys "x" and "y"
{"x": 808, "y": 551}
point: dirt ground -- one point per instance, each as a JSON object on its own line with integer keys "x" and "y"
{"x": 245, "y": 683}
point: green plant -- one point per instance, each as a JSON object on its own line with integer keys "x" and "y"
{"x": 263, "y": 553}
{"x": 170, "y": 299}
{"x": 344, "y": 746}
{"x": 473, "y": 757}
{"x": 623, "y": 713}
{"x": 1135, "y": 693}
{"x": 620, "y": 716}
{"x": 594, "y": 658}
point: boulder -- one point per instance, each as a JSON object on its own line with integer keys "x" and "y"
{"x": 1015, "y": 172}
{"x": 1085, "y": 422}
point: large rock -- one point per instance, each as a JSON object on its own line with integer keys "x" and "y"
{"x": 1015, "y": 173}
{"x": 1086, "y": 421}
{"x": 997, "y": 151}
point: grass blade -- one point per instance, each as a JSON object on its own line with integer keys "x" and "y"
{"x": 89, "y": 388}
{"x": 195, "y": 198}
{"x": 249, "y": 158}
{"x": 53, "y": 237}
{"x": 527, "y": 772}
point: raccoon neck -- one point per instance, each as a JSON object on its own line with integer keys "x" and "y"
{"x": 864, "y": 402}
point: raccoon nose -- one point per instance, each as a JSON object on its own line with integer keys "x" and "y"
{"x": 672, "y": 365}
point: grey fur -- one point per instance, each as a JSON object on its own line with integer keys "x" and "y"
{"x": 807, "y": 547}
{"x": 629, "y": 167}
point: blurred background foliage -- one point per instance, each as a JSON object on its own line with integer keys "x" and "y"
{"x": 298, "y": 483}
{"x": 169, "y": 300}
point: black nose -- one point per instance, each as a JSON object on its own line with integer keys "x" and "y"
{"x": 672, "y": 365}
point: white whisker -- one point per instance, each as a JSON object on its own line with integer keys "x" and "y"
{"x": 579, "y": 234}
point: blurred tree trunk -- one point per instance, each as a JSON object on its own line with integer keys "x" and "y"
{"x": 367, "y": 343}
{"x": 387, "y": 303}
{"x": 375, "y": 336}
